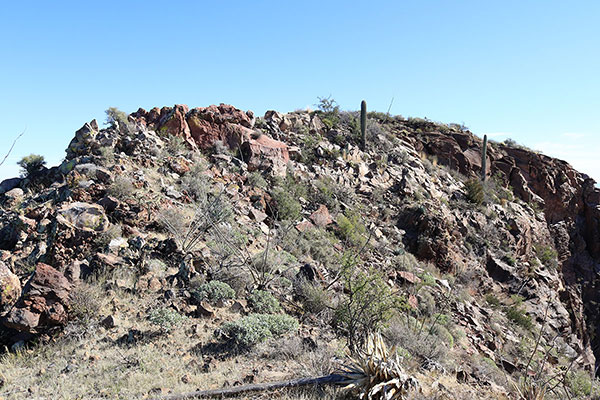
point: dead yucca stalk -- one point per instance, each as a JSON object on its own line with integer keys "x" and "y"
{"x": 376, "y": 373}
{"x": 528, "y": 390}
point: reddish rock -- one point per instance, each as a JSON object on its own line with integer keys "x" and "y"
{"x": 44, "y": 303}
{"x": 409, "y": 277}
{"x": 321, "y": 217}
{"x": 304, "y": 226}
{"x": 223, "y": 123}
{"x": 264, "y": 153}
{"x": 174, "y": 121}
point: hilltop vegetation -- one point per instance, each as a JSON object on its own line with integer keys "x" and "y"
{"x": 179, "y": 249}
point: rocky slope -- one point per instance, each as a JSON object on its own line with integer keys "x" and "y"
{"x": 505, "y": 282}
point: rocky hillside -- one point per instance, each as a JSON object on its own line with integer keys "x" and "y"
{"x": 179, "y": 249}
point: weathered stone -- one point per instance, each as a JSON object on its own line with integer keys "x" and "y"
{"x": 10, "y": 288}
{"x": 84, "y": 216}
{"x": 44, "y": 303}
{"x": 265, "y": 153}
{"x": 321, "y": 217}
{"x": 9, "y": 184}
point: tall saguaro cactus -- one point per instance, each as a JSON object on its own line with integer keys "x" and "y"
{"x": 484, "y": 158}
{"x": 363, "y": 123}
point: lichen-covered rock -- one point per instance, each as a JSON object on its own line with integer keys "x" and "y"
{"x": 10, "y": 288}
{"x": 84, "y": 216}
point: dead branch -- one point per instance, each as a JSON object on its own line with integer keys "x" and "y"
{"x": 234, "y": 391}
{"x": 12, "y": 147}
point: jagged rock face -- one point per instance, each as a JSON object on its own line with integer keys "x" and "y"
{"x": 571, "y": 205}
{"x": 44, "y": 303}
{"x": 203, "y": 127}
{"x": 10, "y": 288}
{"x": 83, "y": 139}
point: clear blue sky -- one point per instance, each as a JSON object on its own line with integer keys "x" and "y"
{"x": 528, "y": 70}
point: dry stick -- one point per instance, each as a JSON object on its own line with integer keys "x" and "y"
{"x": 12, "y": 146}
{"x": 234, "y": 391}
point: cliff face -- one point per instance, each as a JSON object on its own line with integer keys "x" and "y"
{"x": 571, "y": 205}
{"x": 498, "y": 270}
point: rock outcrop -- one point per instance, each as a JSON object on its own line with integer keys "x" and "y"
{"x": 44, "y": 303}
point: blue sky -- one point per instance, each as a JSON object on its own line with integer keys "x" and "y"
{"x": 525, "y": 70}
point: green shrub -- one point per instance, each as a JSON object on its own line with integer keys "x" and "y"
{"x": 263, "y": 302}
{"x": 368, "y": 306}
{"x": 196, "y": 183}
{"x": 474, "y": 190}
{"x": 115, "y": 117}
{"x": 580, "y": 383}
{"x": 288, "y": 206}
{"x": 166, "y": 318}
{"x": 31, "y": 164}
{"x": 214, "y": 291}
{"x": 547, "y": 255}
{"x": 314, "y": 298}
{"x": 516, "y": 313}
{"x": 256, "y": 179}
{"x": 351, "y": 229}
{"x": 492, "y": 300}
{"x": 255, "y": 328}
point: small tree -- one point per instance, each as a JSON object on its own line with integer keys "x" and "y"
{"x": 116, "y": 117}
{"x": 31, "y": 164}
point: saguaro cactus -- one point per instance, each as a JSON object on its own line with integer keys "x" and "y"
{"x": 363, "y": 123}
{"x": 484, "y": 158}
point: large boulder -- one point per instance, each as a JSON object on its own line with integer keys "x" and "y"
{"x": 44, "y": 303}
{"x": 83, "y": 216}
{"x": 10, "y": 288}
{"x": 223, "y": 123}
{"x": 9, "y": 184}
{"x": 265, "y": 153}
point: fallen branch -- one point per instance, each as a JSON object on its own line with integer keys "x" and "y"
{"x": 11, "y": 147}
{"x": 234, "y": 391}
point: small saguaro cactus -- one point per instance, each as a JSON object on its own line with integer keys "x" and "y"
{"x": 363, "y": 123}
{"x": 484, "y": 158}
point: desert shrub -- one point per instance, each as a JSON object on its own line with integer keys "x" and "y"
{"x": 107, "y": 155}
{"x": 517, "y": 314}
{"x": 195, "y": 183}
{"x": 316, "y": 244}
{"x": 121, "y": 188}
{"x": 351, "y": 229}
{"x": 367, "y": 307}
{"x": 31, "y": 164}
{"x": 214, "y": 291}
{"x": 547, "y": 255}
{"x": 492, "y": 300}
{"x": 313, "y": 297}
{"x": 580, "y": 383}
{"x": 288, "y": 206}
{"x": 255, "y": 328}
{"x": 329, "y": 111}
{"x": 263, "y": 302}
{"x": 85, "y": 302}
{"x": 116, "y": 117}
{"x": 286, "y": 193}
{"x": 103, "y": 239}
{"x": 256, "y": 179}
{"x": 474, "y": 190}
{"x": 166, "y": 318}
{"x": 422, "y": 344}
